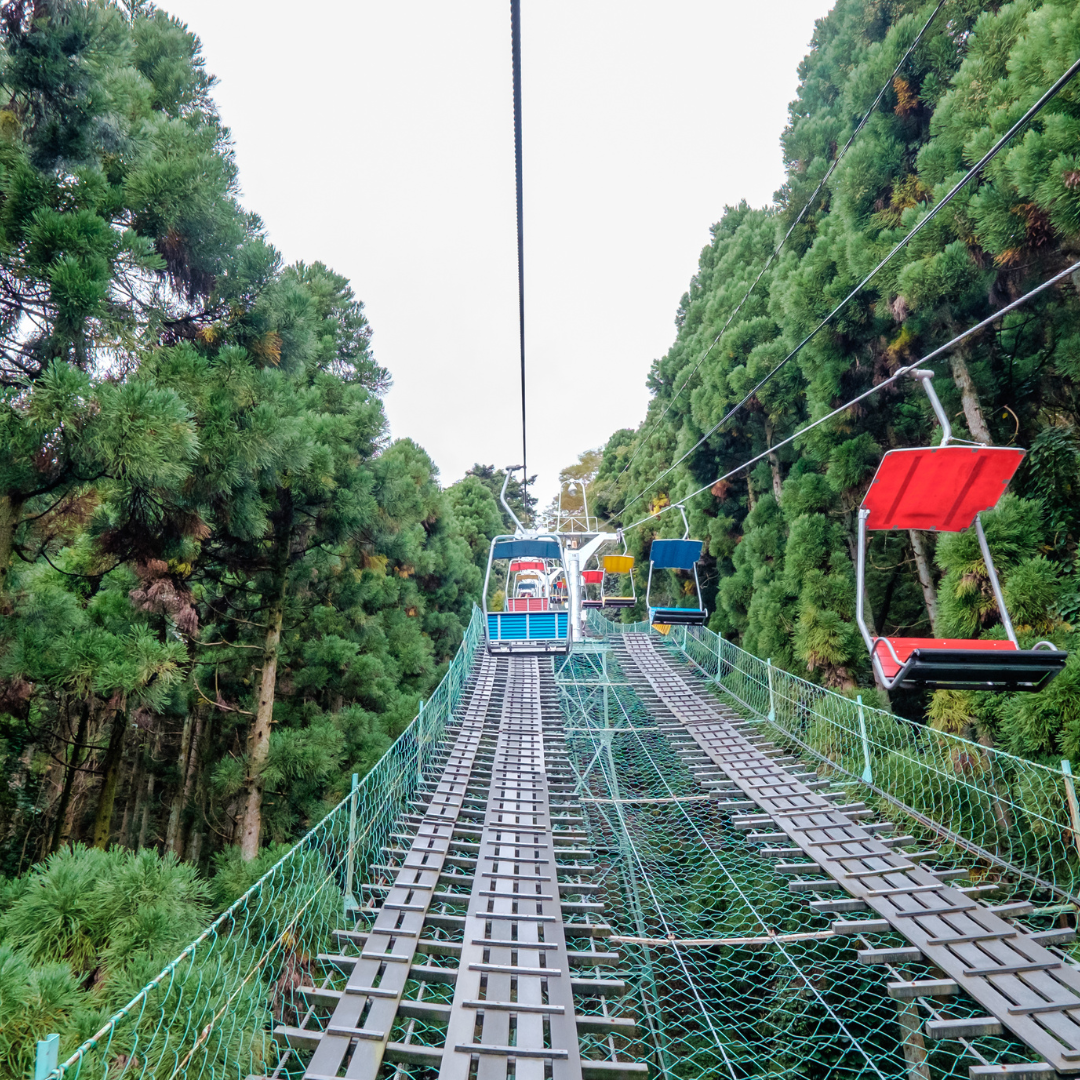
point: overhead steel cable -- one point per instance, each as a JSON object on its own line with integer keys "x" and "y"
{"x": 515, "y": 48}
{"x": 970, "y": 175}
{"x": 897, "y": 375}
{"x": 787, "y": 236}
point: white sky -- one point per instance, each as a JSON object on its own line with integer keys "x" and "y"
{"x": 378, "y": 138}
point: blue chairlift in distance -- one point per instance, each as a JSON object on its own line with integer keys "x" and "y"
{"x": 526, "y": 632}
{"x": 676, "y": 555}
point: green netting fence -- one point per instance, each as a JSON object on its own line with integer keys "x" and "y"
{"x": 733, "y": 974}
{"x": 730, "y": 974}
{"x": 210, "y": 1013}
{"x": 1005, "y": 816}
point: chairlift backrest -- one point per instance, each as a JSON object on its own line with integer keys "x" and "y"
{"x": 940, "y": 488}
{"x": 675, "y": 554}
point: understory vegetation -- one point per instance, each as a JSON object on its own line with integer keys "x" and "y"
{"x": 780, "y": 537}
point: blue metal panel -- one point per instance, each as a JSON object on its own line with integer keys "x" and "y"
{"x": 528, "y": 626}
{"x": 675, "y": 554}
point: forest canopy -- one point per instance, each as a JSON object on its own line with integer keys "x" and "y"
{"x": 780, "y": 537}
{"x": 223, "y": 590}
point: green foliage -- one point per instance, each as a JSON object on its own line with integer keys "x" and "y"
{"x": 780, "y": 538}
{"x": 193, "y": 450}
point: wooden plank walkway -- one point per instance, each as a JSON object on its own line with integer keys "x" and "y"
{"x": 1023, "y": 986}
{"x": 501, "y": 827}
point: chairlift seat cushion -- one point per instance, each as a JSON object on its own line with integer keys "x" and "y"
{"x": 962, "y": 664}
{"x": 618, "y": 564}
{"x": 940, "y": 488}
{"x": 619, "y": 601}
{"x": 678, "y": 616}
{"x": 674, "y": 554}
{"x": 592, "y": 577}
{"x": 520, "y": 565}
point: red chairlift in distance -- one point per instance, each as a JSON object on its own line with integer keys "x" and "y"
{"x": 594, "y": 578}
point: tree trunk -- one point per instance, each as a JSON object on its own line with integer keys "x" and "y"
{"x": 148, "y": 799}
{"x": 777, "y": 487}
{"x": 969, "y": 397}
{"x": 189, "y": 781}
{"x": 134, "y": 803}
{"x": 774, "y": 463}
{"x": 750, "y": 502}
{"x": 926, "y": 577}
{"x": 147, "y": 802}
{"x": 111, "y": 768}
{"x": 10, "y": 512}
{"x": 62, "y": 826}
{"x": 172, "y": 832}
{"x": 258, "y": 744}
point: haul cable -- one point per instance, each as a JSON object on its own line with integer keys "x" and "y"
{"x": 957, "y": 188}
{"x": 787, "y": 236}
{"x": 896, "y": 376}
{"x": 515, "y": 48}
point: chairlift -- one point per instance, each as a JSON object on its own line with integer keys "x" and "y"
{"x": 676, "y": 555}
{"x": 945, "y": 489}
{"x": 560, "y": 594}
{"x": 537, "y": 560}
{"x": 615, "y": 567}
{"x": 526, "y": 585}
{"x": 529, "y": 625}
{"x": 592, "y": 582}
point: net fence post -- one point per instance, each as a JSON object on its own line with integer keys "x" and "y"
{"x": 910, "y": 1021}
{"x": 350, "y": 854}
{"x": 420, "y": 743}
{"x": 48, "y": 1056}
{"x": 1070, "y": 795}
{"x": 868, "y": 772}
{"x": 772, "y": 692}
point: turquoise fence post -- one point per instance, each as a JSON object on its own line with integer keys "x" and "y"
{"x": 48, "y": 1056}
{"x": 772, "y": 692}
{"x": 867, "y": 773}
{"x": 350, "y": 855}
{"x": 420, "y": 743}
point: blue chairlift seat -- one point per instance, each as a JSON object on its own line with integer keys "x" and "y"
{"x": 677, "y": 616}
{"x": 525, "y": 632}
{"x": 676, "y": 555}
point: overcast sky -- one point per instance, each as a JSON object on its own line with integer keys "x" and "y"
{"x": 377, "y": 137}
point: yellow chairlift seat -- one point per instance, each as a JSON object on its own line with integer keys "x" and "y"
{"x": 623, "y": 565}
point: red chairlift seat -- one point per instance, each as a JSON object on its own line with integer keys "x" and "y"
{"x": 520, "y": 565}
{"x": 944, "y": 489}
{"x": 591, "y": 577}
